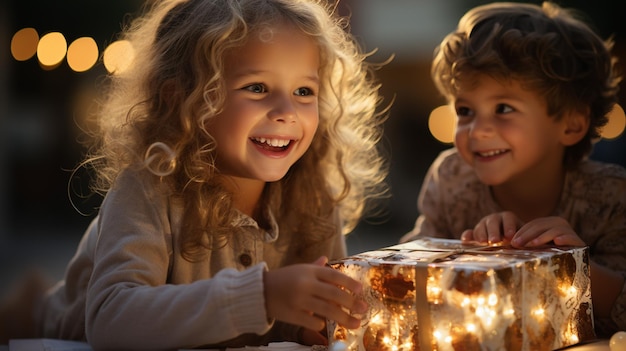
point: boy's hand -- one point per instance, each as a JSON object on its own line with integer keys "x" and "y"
{"x": 544, "y": 230}
{"x": 308, "y": 294}
{"x": 494, "y": 228}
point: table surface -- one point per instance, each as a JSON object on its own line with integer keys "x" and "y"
{"x": 50, "y": 344}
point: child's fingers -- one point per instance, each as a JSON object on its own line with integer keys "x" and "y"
{"x": 494, "y": 229}
{"x": 467, "y": 235}
{"x": 325, "y": 309}
{"x": 546, "y": 230}
{"x": 340, "y": 290}
{"x": 480, "y": 232}
{"x": 569, "y": 240}
{"x": 321, "y": 261}
{"x": 339, "y": 279}
{"x": 510, "y": 224}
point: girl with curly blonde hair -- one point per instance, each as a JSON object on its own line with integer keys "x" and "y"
{"x": 234, "y": 154}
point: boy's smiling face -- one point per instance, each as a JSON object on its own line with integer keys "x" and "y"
{"x": 505, "y": 133}
{"x": 271, "y": 110}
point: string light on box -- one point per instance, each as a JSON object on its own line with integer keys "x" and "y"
{"x": 618, "y": 341}
{"x": 338, "y": 346}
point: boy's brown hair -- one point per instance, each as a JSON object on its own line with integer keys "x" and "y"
{"x": 548, "y": 48}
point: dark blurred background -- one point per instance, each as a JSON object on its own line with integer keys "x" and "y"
{"x": 41, "y": 111}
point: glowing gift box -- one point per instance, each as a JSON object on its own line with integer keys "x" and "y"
{"x": 438, "y": 294}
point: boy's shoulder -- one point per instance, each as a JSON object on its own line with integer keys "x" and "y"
{"x": 450, "y": 171}
{"x": 591, "y": 169}
{"x": 450, "y": 163}
{"x": 598, "y": 180}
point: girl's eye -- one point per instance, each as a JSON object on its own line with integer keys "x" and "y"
{"x": 256, "y": 88}
{"x": 303, "y": 92}
{"x": 503, "y": 108}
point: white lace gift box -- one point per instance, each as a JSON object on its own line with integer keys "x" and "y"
{"x": 437, "y": 294}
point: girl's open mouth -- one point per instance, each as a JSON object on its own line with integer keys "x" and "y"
{"x": 273, "y": 145}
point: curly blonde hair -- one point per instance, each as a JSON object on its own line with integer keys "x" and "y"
{"x": 549, "y": 48}
{"x": 154, "y": 117}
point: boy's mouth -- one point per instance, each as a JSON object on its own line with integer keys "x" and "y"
{"x": 491, "y": 153}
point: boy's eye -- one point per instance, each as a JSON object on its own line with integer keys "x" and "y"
{"x": 256, "y": 88}
{"x": 463, "y": 111}
{"x": 503, "y": 108}
{"x": 303, "y": 91}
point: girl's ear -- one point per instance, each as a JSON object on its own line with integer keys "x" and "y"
{"x": 576, "y": 125}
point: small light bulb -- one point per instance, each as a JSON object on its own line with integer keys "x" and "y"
{"x": 618, "y": 341}
{"x": 338, "y": 346}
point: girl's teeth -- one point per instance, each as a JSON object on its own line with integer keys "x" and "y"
{"x": 273, "y": 142}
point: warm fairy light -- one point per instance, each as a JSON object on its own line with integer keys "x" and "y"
{"x": 51, "y": 49}
{"x": 24, "y": 44}
{"x": 616, "y": 123}
{"x": 441, "y": 123}
{"x": 433, "y": 291}
{"x": 470, "y": 327}
{"x": 539, "y": 312}
{"x": 492, "y": 300}
{"x": 119, "y": 56}
{"x": 82, "y": 54}
{"x": 434, "y": 294}
{"x": 572, "y": 291}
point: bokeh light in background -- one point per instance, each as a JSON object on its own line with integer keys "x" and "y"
{"x": 24, "y": 44}
{"x": 118, "y": 56}
{"x": 616, "y": 124}
{"x": 441, "y": 123}
{"x": 51, "y": 50}
{"x": 82, "y": 54}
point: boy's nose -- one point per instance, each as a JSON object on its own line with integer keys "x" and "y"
{"x": 481, "y": 127}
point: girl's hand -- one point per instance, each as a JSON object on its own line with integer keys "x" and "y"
{"x": 544, "y": 230}
{"x": 308, "y": 294}
{"x": 493, "y": 228}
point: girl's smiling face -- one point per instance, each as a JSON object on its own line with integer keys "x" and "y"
{"x": 270, "y": 113}
{"x": 505, "y": 133}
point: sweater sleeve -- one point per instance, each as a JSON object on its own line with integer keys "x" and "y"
{"x": 132, "y": 305}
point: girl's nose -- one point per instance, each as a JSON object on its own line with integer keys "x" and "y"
{"x": 283, "y": 109}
